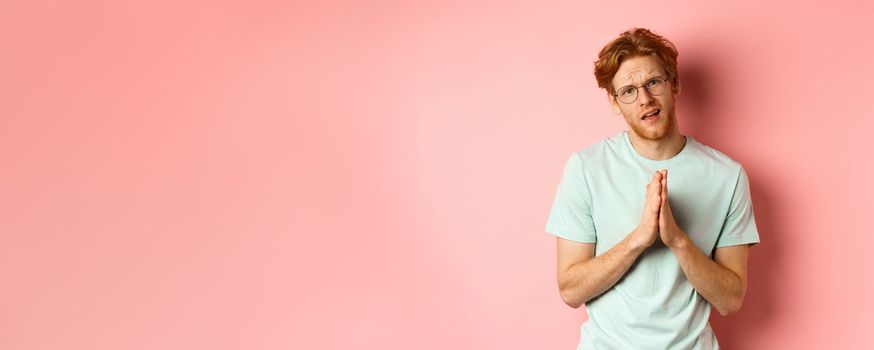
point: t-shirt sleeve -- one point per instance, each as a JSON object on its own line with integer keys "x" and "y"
{"x": 740, "y": 222}
{"x": 571, "y": 214}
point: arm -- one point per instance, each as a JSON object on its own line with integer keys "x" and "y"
{"x": 583, "y": 276}
{"x": 722, "y": 281}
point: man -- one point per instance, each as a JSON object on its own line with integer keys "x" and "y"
{"x": 653, "y": 227}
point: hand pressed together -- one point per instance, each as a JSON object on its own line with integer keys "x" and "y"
{"x": 669, "y": 231}
{"x": 657, "y": 220}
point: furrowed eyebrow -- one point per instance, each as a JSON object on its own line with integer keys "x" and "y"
{"x": 644, "y": 81}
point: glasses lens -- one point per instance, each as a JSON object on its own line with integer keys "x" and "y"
{"x": 628, "y": 95}
{"x": 656, "y": 86}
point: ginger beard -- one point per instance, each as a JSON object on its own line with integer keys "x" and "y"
{"x": 653, "y": 131}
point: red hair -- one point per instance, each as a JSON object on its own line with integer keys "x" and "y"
{"x": 635, "y": 42}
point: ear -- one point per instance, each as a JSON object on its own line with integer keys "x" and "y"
{"x": 678, "y": 88}
{"x": 614, "y": 103}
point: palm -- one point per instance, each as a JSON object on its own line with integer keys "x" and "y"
{"x": 668, "y": 229}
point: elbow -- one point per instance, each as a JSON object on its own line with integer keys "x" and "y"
{"x": 570, "y": 300}
{"x": 731, "y": 307}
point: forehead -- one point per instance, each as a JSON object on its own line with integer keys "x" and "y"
{"x": 637, "y": 69}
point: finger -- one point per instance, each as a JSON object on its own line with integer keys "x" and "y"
{"x": 662, "y": 213}
{"x": 664, "y": 203}
{"x": 664, "y": 181}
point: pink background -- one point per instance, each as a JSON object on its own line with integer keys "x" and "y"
{"x": 377, "y": 175}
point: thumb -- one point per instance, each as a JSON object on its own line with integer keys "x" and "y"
{"x": 664, "y": 181}
{"x": 664, "y": 193}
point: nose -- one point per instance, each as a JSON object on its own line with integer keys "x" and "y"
{"x": 643, "y": 96}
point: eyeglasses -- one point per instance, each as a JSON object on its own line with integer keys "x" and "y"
{"x": 654, "y": 86}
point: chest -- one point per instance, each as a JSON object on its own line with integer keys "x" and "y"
{"x": 699, "y": 202}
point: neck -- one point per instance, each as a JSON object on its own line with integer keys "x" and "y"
{"x": 660, "y": 149}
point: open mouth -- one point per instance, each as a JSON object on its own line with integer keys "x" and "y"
{"x": 652, "y": 115}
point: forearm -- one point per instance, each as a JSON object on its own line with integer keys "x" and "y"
{"x": 587, "y": 279}
{"x": 718, "y": 285}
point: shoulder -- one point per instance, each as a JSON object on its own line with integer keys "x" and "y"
{"x": 601, "y": 150}
{"x": 713, "y": 159}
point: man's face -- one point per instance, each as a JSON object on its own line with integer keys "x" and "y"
{"x": 638, "y": 71}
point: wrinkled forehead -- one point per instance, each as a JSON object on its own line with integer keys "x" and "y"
{"x": 636, "y": 70}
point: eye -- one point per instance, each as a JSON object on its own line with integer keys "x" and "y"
{"x": 654, "y": 82}
{"x": 627, "y": 91}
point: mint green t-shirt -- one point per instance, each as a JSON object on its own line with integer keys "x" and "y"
{"x": 600, "y": 200}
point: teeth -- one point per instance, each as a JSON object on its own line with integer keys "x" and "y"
{"x": 649, "y": 114}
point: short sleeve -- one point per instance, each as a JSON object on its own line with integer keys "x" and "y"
{"x": 740, "y": 222}
{"x": 571, "y": 214}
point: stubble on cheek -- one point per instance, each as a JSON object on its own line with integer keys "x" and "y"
{"x": 657, "y": 131}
